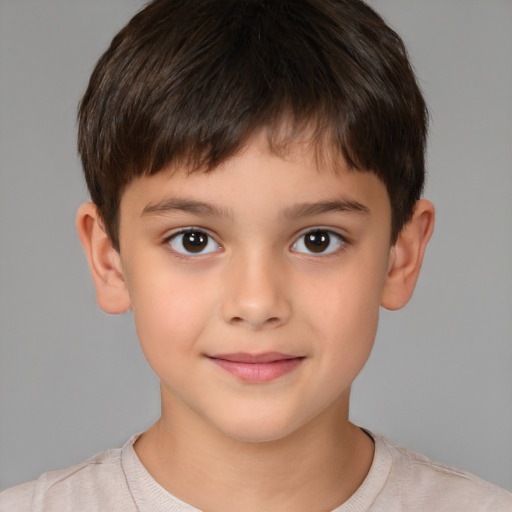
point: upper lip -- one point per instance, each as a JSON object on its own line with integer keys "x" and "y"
{"x": 243, "y": 357}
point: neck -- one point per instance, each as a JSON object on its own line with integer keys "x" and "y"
{"x": 317, "y": 467}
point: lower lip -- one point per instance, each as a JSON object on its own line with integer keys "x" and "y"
{"x": 259, "y": 372}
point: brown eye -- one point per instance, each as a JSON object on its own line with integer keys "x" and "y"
{"x": 318, "y": 241}
{"x": 193, "y": 242}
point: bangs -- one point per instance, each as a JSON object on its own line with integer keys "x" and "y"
{"x": 189, "y": 83}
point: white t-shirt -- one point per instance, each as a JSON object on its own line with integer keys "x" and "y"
{"x": 399, "y": 480}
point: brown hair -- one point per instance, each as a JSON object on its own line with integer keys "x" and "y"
{"x": 189, "y": 81}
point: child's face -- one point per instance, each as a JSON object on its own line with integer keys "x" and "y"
{"x": 279, "y": 260}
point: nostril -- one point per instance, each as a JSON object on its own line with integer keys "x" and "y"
{"x": 238, "y": 320}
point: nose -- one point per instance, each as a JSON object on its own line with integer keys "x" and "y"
{"x": 256, "y": 293}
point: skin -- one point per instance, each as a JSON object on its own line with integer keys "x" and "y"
{"x": 287, "y": 443}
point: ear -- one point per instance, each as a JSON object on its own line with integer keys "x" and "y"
{"x": 104, "y": 261}
{"x": 406, "y": 256}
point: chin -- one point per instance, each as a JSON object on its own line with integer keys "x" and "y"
{"x": 261, "y": 430}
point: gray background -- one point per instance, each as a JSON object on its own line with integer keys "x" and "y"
{"x": 72, "y": 379}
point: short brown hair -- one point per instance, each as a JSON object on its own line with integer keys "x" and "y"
{"x": 189, "y": 81}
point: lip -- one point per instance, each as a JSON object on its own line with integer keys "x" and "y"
{"x": 263, "y": 367}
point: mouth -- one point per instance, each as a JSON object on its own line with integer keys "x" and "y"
{"x": 255, "y": 368}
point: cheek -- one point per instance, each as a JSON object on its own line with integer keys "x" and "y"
{"x": 347, "y": 313}
{"x": 352, "y": 326}
{"x": 169, "y": 317}
{"x": 349, "y": 340}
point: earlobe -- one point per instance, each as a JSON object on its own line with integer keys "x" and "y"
{"x": 406, "y": 256}
{"x": 104, "y": 261}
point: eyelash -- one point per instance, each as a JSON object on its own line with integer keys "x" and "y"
{"x": 191, "y": 230}
{"x": 341, "y": 241}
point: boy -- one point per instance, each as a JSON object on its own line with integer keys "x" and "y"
{"x": 256, "y": 171}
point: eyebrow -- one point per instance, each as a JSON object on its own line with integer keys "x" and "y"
{"x": 317, "y": 208}
{"x": 185, "y": 205}
{"x": 209, "y": 209}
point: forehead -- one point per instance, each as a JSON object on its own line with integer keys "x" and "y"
{"x": 262, "y": 177}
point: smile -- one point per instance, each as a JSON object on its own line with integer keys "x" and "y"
{"x": 257, "y": 367}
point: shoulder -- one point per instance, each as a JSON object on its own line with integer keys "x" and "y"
{"x": 421, "y": 484}
{"x": 17, "y": 498}
{"x": 94, "y": 484}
